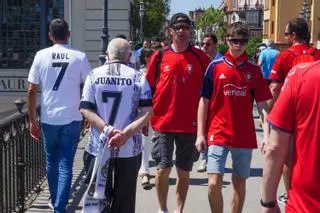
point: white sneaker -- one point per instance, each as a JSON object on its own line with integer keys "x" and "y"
{"x": 202, "y": 167}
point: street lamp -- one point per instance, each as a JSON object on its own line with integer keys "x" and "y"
{"x": 105, "y": 32}
{"x": 305, "y": 11}
{"x": 141, "y": 12}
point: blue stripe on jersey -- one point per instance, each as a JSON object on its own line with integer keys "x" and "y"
{"x": 88, "y": 105}
{"x": 273, "y": 126}
{"x": 207, "y": 86}
{"x": 145, "y": 103}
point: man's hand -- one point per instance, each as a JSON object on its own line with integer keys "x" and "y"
{"x": 117, "y": 140}
{"x": 263, "y": 145}
{"x": 201, "y": 144}
{"x": 271, "y": 210}
{"x": 35, "y": 130}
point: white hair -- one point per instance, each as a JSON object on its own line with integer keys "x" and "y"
{"x": 119, "y": 49}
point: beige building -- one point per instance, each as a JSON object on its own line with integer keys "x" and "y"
{"x": 277, "y": 13}
{"x": 247, "y": 11}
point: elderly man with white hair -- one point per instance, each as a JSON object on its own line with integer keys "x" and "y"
{"x": 116, "y": 101}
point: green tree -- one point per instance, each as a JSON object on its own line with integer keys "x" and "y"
{"x": 154, "y": 16}
{"x": 253, "y": 45}
{"x": 213, "y": 21}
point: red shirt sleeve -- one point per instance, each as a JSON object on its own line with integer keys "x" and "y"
{"x": 278, "y": 68}
{"x": 262, "y": 91}
{"x": 152, "y": 68}
{"x": 282, "y": 114}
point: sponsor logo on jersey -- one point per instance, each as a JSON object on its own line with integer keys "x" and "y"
{"x": 114, "y": 81}
{"x": 233, "y": 90}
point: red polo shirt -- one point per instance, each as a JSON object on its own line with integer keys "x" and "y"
{"x": 297, "y": 110}
{"x": 177, "y": 89}
{"x": 284, "y": 61}
{"x": 232, "y": 86}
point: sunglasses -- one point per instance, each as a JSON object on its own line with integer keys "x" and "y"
{"x": 179, "y": 27}
{"x": 206, "y": 44}
{"x": 241, "y": 41}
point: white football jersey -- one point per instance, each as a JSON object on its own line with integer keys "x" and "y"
{"x": 59, "y": 70}
{"x": 116, "y": 92}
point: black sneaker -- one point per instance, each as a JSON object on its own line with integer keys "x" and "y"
{"x": 283, "y": 199}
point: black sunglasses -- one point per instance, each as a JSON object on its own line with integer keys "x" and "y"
{"x": 205, "y": 44}
{"x": 179, "y": 27}
{"x": 241, "y": 41}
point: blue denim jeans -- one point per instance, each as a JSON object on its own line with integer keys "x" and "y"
{"x": 60, "y": 144}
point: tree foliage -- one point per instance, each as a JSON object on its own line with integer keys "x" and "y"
{"x": 253, "y": 45}
{"x": 213, "y": 21}
{"x": 154, "y": 16}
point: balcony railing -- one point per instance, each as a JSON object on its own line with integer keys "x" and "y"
{"x": 22, "y": 163}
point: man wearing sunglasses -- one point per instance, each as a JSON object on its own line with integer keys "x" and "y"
{"x": 225, "y": 120}
{"x": 175, "y": 75}
{"x": 209, "y": 46}
{"x": 297, "y": 36}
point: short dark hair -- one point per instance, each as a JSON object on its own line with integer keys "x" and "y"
{"x": 123, "y": 36}
{"x": 145, "y": 53}
{"x": 300, "y": 27}
{"x": 237, "y": 29}
{"x": 212, "y": 36}
{"x": 59, "y": 29}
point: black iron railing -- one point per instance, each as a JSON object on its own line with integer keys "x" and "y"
{"x": 22, "y": 162}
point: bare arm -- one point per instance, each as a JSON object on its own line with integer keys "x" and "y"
{"x": 275, "y": 88}
{"x": 202, "y": 119}
{"x": 32, "y": 101}
{"x": 93, "y": 119}
{"x": 132, "y": 128}
{"x": 32, "y": 111}
{"x": 276, "y": 153}
{"x": 263, "y": 110}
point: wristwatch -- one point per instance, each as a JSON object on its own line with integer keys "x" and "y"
{"x": 268, "y": 205}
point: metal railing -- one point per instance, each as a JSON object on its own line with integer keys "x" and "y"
{"x": 22, "y": 162}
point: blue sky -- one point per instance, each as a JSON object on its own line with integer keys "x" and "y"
{"x": 186, "y": 5}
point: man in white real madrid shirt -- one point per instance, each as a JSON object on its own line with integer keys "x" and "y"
{"x": 118, "y": 96}
{"x": 58, "y": 71}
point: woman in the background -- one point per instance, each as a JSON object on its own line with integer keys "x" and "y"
{"x": 147, "y": 132}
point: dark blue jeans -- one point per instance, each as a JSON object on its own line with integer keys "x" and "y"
{"x": 60, "y": 144}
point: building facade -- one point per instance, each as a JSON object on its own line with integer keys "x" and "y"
{"x": 195, "y": 15}
{"x": 277, "y": 13}
{"x": 247, "y": 11}
{"x": 24, "y": 31}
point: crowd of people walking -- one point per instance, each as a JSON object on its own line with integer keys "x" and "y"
{"x": 173, "y": 95}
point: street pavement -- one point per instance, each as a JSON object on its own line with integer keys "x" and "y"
{"x": 197, "y": 201}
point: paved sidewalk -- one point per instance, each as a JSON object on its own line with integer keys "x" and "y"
{"x": 197, "y": 201}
